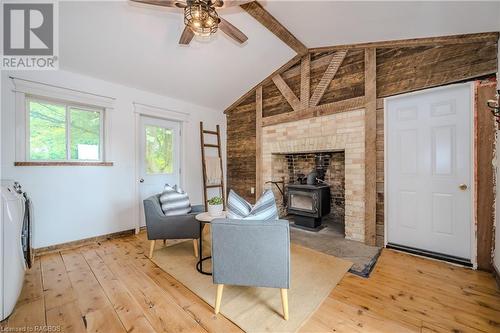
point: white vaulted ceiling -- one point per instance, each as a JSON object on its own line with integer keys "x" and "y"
{"x": 325, "y": 23}
{"x": 137, "y": 45}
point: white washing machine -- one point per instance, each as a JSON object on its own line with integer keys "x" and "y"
{"x": 12, "y": 256}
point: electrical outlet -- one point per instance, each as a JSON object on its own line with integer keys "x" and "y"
{"x": 252, "y": 190}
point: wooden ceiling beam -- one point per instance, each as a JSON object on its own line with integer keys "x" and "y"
{"x": 328, "y": 76}
{"x": 315, "y": 111}
{"x": 280, "y": 70}
{"x": 305, "y": 81}
{"x": 258, "y": 12}
{"x": 436, "y": 41}
{"x": 287, "y": 92}
{"x": 444, "y": 40}
{"x": 323, "y": 60}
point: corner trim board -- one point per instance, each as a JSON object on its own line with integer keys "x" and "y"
{"x": 370, "y": 145}
{"x": 258, "y": 142}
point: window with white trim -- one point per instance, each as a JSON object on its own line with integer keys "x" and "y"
{"x": 61, "y": 131}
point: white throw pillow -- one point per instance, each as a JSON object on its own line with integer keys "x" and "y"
{"x": 237, "y": 207}
{"x": 264, "y": 209}
{"x": 174, "y": 201}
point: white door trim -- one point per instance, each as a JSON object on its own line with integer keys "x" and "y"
{"x": 473, "y": 239}
{"x": 165, "y": 114}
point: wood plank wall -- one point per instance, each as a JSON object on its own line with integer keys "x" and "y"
{"x": 347, "y": 83}
{"x": 399, "y": 69}
{"x": 485, "y": 178}
{"x": 241, "y": 149}
{"x": 402, "y": 70}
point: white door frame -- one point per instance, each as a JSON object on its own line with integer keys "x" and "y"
{"x": 165, "y": 114}
{"x": 473, "y": 239}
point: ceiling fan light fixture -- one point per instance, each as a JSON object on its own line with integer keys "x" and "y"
{"x": 201, "y": 17}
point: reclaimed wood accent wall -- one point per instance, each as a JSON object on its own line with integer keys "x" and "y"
{"x": 485, "y": 177}
{"x": 347, "y": 83}
{"x": 402, "y": 70}
{"x": 401, "y": 66}
{"x": 241, "y": 149}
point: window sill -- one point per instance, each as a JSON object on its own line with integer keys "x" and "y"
{"x": 68, "y": 163}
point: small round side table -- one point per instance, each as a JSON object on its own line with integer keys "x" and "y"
{"x": 205, "y": 218}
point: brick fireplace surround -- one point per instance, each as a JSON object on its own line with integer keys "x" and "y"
{"x": 336, "y": 132}
{"x": 290, "y": 166}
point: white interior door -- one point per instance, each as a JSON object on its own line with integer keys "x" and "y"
{"x": 428, "y": 170}
{"x": 159, "y": 157}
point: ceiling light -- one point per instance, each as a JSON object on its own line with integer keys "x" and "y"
{"x": 201, "y": 17}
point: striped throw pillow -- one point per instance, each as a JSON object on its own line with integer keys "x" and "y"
{"x": 237, "y": 207}
{"x": 264, "y": 209}
{"x": 174, "y": 201}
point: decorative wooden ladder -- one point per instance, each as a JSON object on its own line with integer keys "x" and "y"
{"x": 204, "y": 145}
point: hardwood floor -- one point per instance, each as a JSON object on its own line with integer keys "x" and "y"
{"x": 112, "y": 287}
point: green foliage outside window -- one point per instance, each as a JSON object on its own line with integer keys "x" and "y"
{"x": 48, "y": 132}
{"x": 159, "y": 150}
{"x": 85, "y": 130}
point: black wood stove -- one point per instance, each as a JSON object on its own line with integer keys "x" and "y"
{"x": 308, "y": 203}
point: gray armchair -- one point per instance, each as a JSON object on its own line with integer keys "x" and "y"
{"x": 163, "y": 227}
{"x": 251, "y": 253}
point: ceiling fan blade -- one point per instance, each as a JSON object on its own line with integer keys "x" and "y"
{"x": 180, "y": 4}
{"x": 232, "y": 31}
{"x": 163, "y": 3}
{"x": 187, "y": 36}
{"x": 230, "y": 3}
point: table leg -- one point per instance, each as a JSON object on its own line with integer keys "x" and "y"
{"x": 199, "y": 265}
{"x": 200, "y": 261}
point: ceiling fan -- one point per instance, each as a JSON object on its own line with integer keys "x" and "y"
{"x": 201, "y": 17}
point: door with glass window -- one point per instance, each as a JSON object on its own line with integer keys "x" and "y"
{"x": 159, "y": 163}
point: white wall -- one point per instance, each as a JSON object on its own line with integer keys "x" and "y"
{"x": 73, "y": 203}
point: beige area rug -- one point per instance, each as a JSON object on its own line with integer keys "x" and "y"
{"x": 314, "y": 275}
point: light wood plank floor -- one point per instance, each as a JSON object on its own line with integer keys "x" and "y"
{"x": 112, "y": 287}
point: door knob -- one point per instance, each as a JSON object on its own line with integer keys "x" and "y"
{"x": 142, "y": 180}
{"x": 463, "y": 187}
